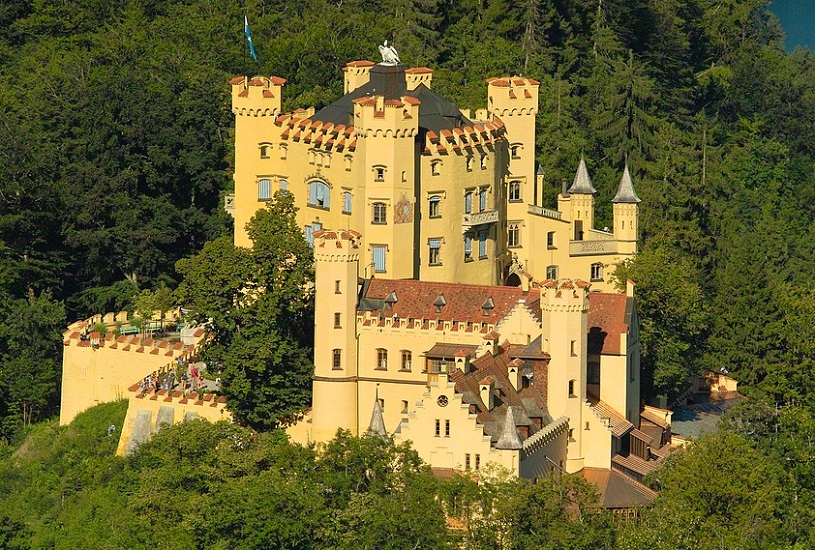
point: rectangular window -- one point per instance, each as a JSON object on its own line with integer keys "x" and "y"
{"x": 435, "y": 247}
{"x": 482, "y": 245}
{"x": 482, "y": 200}
{"x": 264, "y": 190}
{"x": 438, "y": 427}
{"x": 514, "y": 235}
{"x": 434, "y": 210}
{"x": 404, "y": 407}
{"x": 550, "y": 239}
{"x": 264, "y": 151}
{"x": 310, "y": 236}
{"x": 381, "y": 359}
{"x": 407, "y": 360}
{"x": 551, "y": 272}
{"x": 446, "y": 428}
{"x": 337, "y": 359}
{"x": 467, "y": 461}
{"x": 346, "y": 203}
{"x": 379, "y": 257}
{"x": 468, "y": 247}
{"x": 477, "y": 461}
{"x": 337, "y": 287}
{"x": 468, "y": 202}
{"x": 284, "y": 185}
{"x": 515, "y": 191}
{"x": 571, "y": 388}
{"x": 379, "y": 213}
{"x": 597, "y": 272}
{"x": 337, "y": 320}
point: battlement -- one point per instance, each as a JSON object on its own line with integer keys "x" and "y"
{"x": 321, "y": 135}
{"x": 357, "y": 73}
{"x": 335, "y": 246}
{"x": 418, "y": 76}
{"x": 257, "y": 96}
{"x": 379, "y": 116}
{"x": 465, "y": 139}
{"x": 564, "y": 295}
{"x": 512, "y": 96}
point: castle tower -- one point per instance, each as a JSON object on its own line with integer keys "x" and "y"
{"x": 386, "y": 125}
{"x": 514, "y": 100}
{"x": 581, "y": 202}
{"x": 565, "y": 307}
{"x": 336, "y": 259}
{"x": 626, "y": 215}
{"x": 255, "y": 103}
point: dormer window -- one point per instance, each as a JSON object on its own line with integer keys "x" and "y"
{"x": 486, "y": 307}
{"x": 390, "y": 300}
{"x": 440, "y": 303}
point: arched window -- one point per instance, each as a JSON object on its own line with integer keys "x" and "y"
{"x": 515, "y": 191}
{"x": 514, "y": 235}
{"x": 380, "y": 212}
{"x": 319, "y": 194}
{"x": 284, "y": 185}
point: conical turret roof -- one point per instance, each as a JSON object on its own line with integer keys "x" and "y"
{"x": 509, "y": 437}
{"x": 625, "y": 192}
{"x": 377, "y": 426}
{"x": 582, "y": 183}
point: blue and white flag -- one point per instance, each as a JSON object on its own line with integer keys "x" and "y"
{"x": 249, "y": 38}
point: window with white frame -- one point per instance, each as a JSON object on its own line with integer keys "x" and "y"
{"x": 550, "y": 239}
{"x": 381, "y": 359}
{"x": 597, "y": 271}
{"x": 319, "y": 195}
{"x": 407, "y": 360}
{"x": 378, "y": 251}
{"x": 551, "y": 272}
{"x": 264, "y": 189}
{"x": 347, "y": 200}
{"x": 380, "y": 211}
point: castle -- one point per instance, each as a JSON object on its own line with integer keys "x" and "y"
{"x": 454, "y": 310}
{"x": 437, "y": 195}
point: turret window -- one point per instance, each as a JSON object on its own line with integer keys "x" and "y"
{"x": 435, "y": 168}
{"x": 435, "y": 249}
{"x": 571, "y": 388}
{"x": 597, "y": 272}
{"x": 264, "y": 150}
{"x": 379, "y": 173}
{"x": 337, "y": 318}
{"x": 336, "y": 360}
{"x": 516, "y": 150}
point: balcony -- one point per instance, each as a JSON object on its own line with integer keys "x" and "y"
{"x": 480, "y": 218}
{"x": 544, "y": 212}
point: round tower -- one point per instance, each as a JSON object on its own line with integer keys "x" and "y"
{"x": 336, "y": 259}
{"x": 581, "y": 203}
{"x": 626, "y": 215}
{"x": 564, "y": 331}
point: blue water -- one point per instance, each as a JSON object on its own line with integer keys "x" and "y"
{"x": 798, "y": 20}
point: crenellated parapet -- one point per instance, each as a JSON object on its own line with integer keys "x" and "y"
{"x": 564, "y": 295}
{"x": 512, "y": 96}
{"x": 327, "y": 136}
{"x": 258, "y": 96}
{"x": 380, "y": 117}
{"x": 336, "y": 246}
{"x": 544, "y": 436}
{"x": 469, "y": 138}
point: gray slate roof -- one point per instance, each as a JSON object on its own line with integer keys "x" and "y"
{"x": 582, "y": 183}
{"x": 625, "y": 192}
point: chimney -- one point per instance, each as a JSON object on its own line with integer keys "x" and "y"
{"x": 463, "y": 360}
{"x": 487, "y": 392}
{"x": 491, "y": 342}
{"x": 515, "y": 372}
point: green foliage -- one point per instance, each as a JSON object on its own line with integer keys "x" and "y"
{"x": 258, "y": 305}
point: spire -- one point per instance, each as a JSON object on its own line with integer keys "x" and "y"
{"x": 625, "y": 192}
{"x": 582, "y": 183}
{"x": 509, "y": 437}
{"x": 377, "y": 426}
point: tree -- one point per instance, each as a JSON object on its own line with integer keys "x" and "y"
{"x": 258, "y": 304}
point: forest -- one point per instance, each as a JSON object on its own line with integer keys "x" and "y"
{"x": 116, "y": 151}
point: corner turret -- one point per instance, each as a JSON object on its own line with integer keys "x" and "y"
{"x": 626, "y": 214}
{"x": 581, "y": 201}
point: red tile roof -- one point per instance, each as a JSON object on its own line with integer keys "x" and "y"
{"x": 607, "y": 312}
{"x": 463, "y": 302}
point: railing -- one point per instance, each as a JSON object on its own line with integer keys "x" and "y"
{"x": 480, "y": 218}
{"x": 544, "y": 212}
